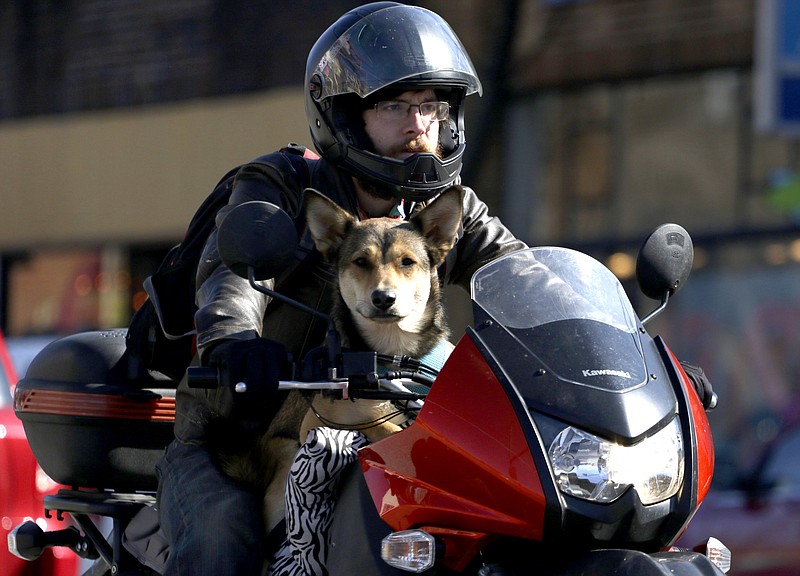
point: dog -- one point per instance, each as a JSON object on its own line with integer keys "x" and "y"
{"x": 388, "y": 300}
{"x": 389, "y": 297}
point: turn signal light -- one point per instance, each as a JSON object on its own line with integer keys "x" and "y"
{"x": 409, "y": 550}
{"x": 719, "y": 554}
{"x": 712, "y": 549}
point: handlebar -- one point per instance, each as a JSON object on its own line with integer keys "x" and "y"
{"x": 208, "y": 377}
{"x": 372, "y": 386}
{"x": 201, "y": 377}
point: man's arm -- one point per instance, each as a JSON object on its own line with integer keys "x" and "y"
{"x": 228, "y": 307}
{"x": 482, "y": 239}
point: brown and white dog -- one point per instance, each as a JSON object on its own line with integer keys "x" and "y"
{"x": 389, "y": 297}
{"x": 388, "y": 300}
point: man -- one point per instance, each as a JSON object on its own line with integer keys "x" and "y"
{"x": 385, "y": 91}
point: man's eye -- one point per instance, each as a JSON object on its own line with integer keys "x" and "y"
{"x": 390, "y": 106}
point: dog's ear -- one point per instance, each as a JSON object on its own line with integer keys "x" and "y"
{"x": 439, "y": 222}
{"x": 327, "y": 222}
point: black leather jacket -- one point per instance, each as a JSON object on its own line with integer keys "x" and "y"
{"x": 230, "y": 309}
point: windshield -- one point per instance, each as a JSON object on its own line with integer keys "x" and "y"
{"x": 538, "y": 286}
{"x": 565, "y": 313}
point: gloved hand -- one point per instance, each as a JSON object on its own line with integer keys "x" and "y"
{"x": 701, "y": 384}
{"x": 248, "y": 372}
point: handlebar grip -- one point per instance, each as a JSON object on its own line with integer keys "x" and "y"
{"x": 202, "y": 377}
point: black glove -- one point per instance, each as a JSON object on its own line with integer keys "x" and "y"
{"x": 248, "y": 372}
{"x": 701, "y": 384}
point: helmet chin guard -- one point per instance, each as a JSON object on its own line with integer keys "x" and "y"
{"x": 381, "y": 46}
{"x": 425, "y": 174}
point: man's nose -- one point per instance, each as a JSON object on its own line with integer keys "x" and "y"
{"x": 415, "y": 118}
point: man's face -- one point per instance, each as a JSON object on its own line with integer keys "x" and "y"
{"x": 400, "y": 138}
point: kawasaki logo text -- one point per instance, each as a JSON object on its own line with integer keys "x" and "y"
{"x": 620, "y": 373}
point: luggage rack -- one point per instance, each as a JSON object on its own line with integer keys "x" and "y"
{"x": 101, "y": 503}
{"x": 28, "y": 540}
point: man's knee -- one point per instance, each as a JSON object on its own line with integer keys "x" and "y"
{"x": 211, "y": 523}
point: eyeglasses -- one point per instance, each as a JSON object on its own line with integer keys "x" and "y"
{"x": 398, "y": 110}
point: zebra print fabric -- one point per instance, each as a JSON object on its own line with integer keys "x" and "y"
{"x": 310, "y": 500}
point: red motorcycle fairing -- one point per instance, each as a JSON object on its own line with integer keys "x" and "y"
{"x": 702, "y": 441}
{"x": 705, "y": 442}
{"x": 425, "y": 476}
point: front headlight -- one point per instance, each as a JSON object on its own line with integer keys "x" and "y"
{"x": 588, "y": 467}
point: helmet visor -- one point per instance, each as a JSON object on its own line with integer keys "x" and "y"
{"x": 396, "y": 44}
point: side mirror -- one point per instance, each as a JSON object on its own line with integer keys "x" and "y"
{"x": 259, "y": 235}
{"x": 258, "y": 241}
{"x": 664, "y": 263}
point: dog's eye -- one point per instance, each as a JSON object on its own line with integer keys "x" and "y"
{"x": 407, "y": 261}
{"x": 361, "y": 262}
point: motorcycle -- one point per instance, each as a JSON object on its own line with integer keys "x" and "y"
{"x": 559, "y": 438}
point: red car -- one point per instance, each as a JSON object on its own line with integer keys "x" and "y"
{"x": 23, "y": 485}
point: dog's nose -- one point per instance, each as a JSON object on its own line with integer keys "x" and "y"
{"x": 383, "y": 299}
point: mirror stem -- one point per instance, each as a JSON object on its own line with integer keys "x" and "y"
{"x": 657, "y": 311}
{"x": 331, "y": 339}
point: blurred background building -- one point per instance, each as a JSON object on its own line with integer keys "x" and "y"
{"x": 600, "y": 119}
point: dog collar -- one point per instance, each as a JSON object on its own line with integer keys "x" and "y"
{"x": 438, "y": 356}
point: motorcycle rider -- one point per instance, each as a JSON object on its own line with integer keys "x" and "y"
{"x": 385, "y": 87}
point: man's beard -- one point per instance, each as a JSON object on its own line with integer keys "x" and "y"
{"x": 420, "y": 145}
{"x": 375, "y": 192}
{"x": 414, "y": 146}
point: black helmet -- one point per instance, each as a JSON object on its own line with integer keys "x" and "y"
{"x": 374, "y": 47}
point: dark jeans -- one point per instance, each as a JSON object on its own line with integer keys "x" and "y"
{"x": 213, "y": 526}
